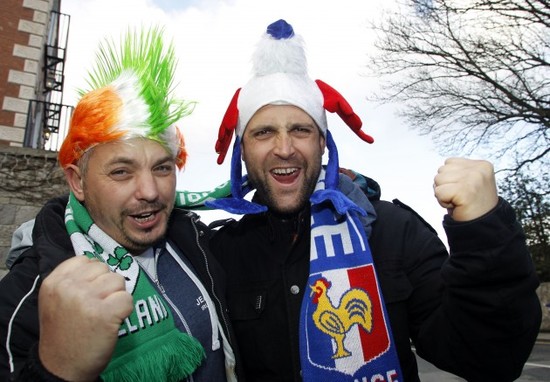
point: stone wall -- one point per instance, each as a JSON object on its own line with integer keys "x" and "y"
{"x": 28, "y": 178}
{"x": 544, "y": 297}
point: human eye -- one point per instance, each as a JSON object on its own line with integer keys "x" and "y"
{"x": 164, "y": 169}
{"x": 301, "y": 130}
{"x": 263, "y": 133}
{"x": 119, "y": 173}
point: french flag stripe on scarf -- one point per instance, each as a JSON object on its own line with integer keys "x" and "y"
{"x": 345, "y": 334}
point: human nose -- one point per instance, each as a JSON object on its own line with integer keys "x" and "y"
{"x": 146, "y": 187}
{"x": 284, "y": 146}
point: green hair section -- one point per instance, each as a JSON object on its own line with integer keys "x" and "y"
{"x": 144, "y": 53}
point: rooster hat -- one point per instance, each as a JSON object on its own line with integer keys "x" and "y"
{"x": 280, "y": 77}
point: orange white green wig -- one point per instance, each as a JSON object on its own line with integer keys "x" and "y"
{"x": 130, "y": 96}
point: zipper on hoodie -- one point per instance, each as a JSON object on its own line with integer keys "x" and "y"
{"x": 230, "y": 361}
{"x": 163, "y": 292}
{"x": 194, "y": 219}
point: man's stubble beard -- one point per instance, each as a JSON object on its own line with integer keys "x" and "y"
{"x": 133, "y": 243}
{"x": 268, "y": 197}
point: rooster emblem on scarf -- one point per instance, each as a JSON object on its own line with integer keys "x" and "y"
{"x": 355, "y": 307}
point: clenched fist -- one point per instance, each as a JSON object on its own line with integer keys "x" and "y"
{"x": 81, "y": 305}
{"x": 467, "y": 188}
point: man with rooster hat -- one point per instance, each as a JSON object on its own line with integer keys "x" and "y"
{"x": 327, "y": 285}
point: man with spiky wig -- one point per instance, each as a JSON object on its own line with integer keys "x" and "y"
{"x": 119, "y": 285}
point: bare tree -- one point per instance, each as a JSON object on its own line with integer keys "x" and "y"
{"x": 530, "y": 198}
{"x": 470, "y": 73}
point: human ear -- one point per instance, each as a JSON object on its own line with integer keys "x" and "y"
{"x": 322, "y": 144}
{"x": 74, "y": 180}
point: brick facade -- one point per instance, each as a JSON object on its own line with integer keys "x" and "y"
{"x": 23, "y": 24}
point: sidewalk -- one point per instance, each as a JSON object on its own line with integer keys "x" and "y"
{"x": 544, "y": 337}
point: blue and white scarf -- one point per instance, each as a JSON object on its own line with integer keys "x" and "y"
{"x": 345, "y": 333}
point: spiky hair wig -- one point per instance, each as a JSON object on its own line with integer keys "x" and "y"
{"x": 130, "y": 95}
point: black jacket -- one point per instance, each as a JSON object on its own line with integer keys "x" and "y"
{"x": 51, "y": 246}
{"x": 474, "y": 314}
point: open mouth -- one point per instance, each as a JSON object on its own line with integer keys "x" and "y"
{"x": 144, "y": 217}
{"x": 285, "y": 175}
{"x": 284, "y": 171}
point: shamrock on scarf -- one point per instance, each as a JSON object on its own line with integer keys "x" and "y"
{"x": 121, "y": 260}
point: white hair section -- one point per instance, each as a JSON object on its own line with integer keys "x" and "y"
{"x": 170, "y": 140}
{"x": 279, "y": 56}
{"x": 134, "y": 114}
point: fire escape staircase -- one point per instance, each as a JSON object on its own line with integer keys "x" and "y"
{"x": 47, "y": 118}
{"x": 53, "y": 81}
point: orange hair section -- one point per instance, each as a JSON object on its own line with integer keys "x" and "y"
{"x": 182, "y": 152}
{"x": 92, "y": 123}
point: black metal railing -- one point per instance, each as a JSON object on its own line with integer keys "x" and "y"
{"x": 47, "y": 117}
{"x": 47, "y": 125}
{"x": 55, "y": 51}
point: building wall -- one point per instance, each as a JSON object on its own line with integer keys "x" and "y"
{"x": 28, "y": 179}
{"x": 544, "y": 297}
{"x": 23, "y": 26}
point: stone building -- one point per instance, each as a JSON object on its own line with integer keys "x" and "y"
{"x": 33, "y": 118}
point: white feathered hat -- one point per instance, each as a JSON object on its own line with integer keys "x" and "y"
{"x": 280, "y": 77}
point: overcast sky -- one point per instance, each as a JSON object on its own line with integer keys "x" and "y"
{"x": 214, "y": 40}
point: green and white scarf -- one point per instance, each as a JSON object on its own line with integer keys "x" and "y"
{"x": 149, "y": 347}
